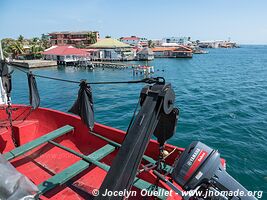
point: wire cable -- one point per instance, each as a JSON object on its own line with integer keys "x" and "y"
{"x": 145, "y": 80}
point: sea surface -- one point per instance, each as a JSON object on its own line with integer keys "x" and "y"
{"x": 222, "y": 97}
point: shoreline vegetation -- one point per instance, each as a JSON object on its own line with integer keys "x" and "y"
{"x": 31, "y": 48}
{"x": 106, "y": 49}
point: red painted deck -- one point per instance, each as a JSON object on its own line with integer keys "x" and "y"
{"x": 47, "y": 160}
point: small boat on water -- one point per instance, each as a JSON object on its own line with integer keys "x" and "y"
{"x": 48, "y": 154}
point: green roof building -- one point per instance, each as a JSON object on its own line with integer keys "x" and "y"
{"x": 109, "y": 43}
{"x": 112, "y": 49}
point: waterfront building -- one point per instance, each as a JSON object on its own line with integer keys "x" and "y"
{"x": 78, "y": 39}
{"x": 229, "y": 44}
{"x": 217, "y": 44}
{"x": 157, "y": 42}
{"x": 135, "y": 41}
{"x": 170, "y": 45}
{"x": 163, "y": 52}
{"x": 65, "y": 54}
{"x": 177, "y": 40}
{"x": 210, "y": 43}
{"x": 143, "y": 42}
{"x": 145, "y": 54}
{"x": 172, "y": 52}
{"x": 182, "y": 52}
{"x": 112, "y": 49}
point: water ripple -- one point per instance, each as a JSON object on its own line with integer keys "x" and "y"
{"x": 222, "y": 98}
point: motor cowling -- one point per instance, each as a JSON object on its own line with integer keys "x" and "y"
{"x": 189, "y": 171}
{"x": 200, "y": 165}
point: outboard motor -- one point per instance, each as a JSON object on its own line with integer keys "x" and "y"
{"x": 200, "y": 166}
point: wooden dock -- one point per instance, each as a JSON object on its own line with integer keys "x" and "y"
{"x": 145, "y": 70}
{"x": 31, "y": 64}
{"x": 137, "y": 68}
{"x": 117, "y": 65}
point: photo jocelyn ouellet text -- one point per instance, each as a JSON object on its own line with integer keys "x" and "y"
{"x": 205, "y": 194}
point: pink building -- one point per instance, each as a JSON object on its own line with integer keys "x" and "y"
{"x": 78, "y": 39}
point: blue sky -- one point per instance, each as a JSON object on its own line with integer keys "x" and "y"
{"x": 242, "y": 20}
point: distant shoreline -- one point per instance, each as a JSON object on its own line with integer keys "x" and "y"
{"x": 252, "y": 44}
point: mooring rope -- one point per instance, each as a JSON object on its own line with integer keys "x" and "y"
{"x": 159, "y": 80}
{"x": 145, "y": 80}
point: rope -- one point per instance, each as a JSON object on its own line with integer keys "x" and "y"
{"x": 132, "y": 119}
{"x": 56, "y": 79}
{"x": 159, "y": 80}
{"x": 47, "y": 77}
{"x": 145, "y": 80}
{"x": 9, "y": 113}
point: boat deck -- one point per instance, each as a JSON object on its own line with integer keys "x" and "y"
{"x": 65, "y": 161}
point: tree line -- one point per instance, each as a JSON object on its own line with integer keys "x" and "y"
{"x": 29, "y": 48}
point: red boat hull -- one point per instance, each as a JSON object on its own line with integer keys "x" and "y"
{"x": 47, "y": 160}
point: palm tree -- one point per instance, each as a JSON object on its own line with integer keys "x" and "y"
{"x": 6, "y": 43}
{"x": 91, "y": 37}
{"x": 35, "y": 50}
{"x": 45, "y": 41}
{"x": 151, "y": 44}
{"x": 5, "y": 53}
{"x": 35, "y": 40}
{"x": 21, "y": 38}
{"x": 16, "y": 48}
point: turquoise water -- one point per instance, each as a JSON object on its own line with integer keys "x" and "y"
{"x": 222, "y": 98}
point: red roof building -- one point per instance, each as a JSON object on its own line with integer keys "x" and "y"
{"x": 133, "y": 40}
{"x": 64, "y": 53}
{"x": 64, "y": 50}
